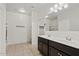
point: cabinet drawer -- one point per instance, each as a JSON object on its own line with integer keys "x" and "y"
{"x": 43, "y": 46}
{"x": 67, "y": 49}
{"x": 54, "y": 52}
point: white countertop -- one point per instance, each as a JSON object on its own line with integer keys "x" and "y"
{"x": 71, "y": 43}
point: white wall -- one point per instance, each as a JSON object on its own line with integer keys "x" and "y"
{"x": 63, "y": 20}
{"x": 2, "y": 29}
{"x": 17, "y": 34}
{"x": 69, "y": 18}
{"x": 35, "y": 28}
{"x": 63, "y": 24}
{"x": 74, "y": 18}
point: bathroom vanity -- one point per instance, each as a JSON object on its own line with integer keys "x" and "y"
{"x": 50, "y": 47}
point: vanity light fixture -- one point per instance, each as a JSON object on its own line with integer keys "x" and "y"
{"x": 57, "y": 7}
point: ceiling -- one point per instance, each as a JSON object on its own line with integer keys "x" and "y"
{"x": 42, "y": 8}
{"x": 39, "y": 7}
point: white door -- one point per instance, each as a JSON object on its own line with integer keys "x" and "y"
{"x": 17, "y": 28}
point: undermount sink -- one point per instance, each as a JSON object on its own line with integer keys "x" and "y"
{"x": 64, "y": 39}
{"x": 61, "y": 39}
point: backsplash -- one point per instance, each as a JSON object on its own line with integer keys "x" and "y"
{"x": 74, "y": 35}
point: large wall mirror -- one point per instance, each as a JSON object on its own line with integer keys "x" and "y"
{"x": 66, "y": 19}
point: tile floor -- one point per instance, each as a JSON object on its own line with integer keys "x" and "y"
{"x": 22, "y": 50}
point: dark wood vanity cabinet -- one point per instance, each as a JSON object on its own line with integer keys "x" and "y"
{"x": 55, "y": 52}
{"x": 43, "y": 46}
{"x": 51, "y": 48}
{"x": 45, "y": 49}
{"x": 68, "y": 50}
{"x": 40, "y": 45}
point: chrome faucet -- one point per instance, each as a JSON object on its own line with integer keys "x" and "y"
{"x": 68, "y": 38}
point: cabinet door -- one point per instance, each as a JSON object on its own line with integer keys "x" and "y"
{"x": 40, "y": 46}
{"x": 54, "y": 52}
{"x": 45, "y": 49}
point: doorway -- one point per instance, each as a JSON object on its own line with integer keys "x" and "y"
{"x": 18, "y": 32}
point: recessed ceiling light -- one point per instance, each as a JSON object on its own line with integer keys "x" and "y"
{"x": 21, "y": 10}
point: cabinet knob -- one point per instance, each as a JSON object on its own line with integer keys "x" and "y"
{"x": 60, "y": 54}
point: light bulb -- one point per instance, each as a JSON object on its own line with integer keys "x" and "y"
{"x": 55, "y": 10}
{"x": 65, "y": 5}
{"x": 60, "y": 8}
{"x": 51, "y": 9}
{"x": 56, "y": 5}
